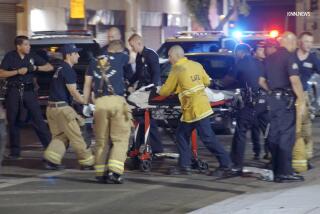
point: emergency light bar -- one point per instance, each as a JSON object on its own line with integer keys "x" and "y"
{"x": 256, "y": 34}
{"x": 198, "y": 34}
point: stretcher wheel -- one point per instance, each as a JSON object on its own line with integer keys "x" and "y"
{"x": 200, "y": 165}
{"x": 145, "y": 165}
{"x": 133, "y": 163}
{"x": 204, "y": 166}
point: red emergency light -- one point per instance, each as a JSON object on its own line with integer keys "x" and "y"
{"x": 274, "y": 33}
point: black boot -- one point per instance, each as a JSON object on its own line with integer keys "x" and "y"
{"x": 114, "y": 178}
{"x": 84, "y": 167}
{"x": 288, "y": 178}
{"x": 266, "y": 156}
{"x": 51, "y": 166}
{"x": 226, "y": 173}
{"x": 310, "y": 166}
{"x": 256, "y": 157}
{"x": 179, "y": 171}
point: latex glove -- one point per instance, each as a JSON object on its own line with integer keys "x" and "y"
{"x": 92, "y": 107}
{"x": 158, "y": 89}
{"x": 146, "y": 87}
{"x": 86, "y": 111}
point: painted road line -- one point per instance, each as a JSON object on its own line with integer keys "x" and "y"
{"x": 37, "y": 204}
{"x": 14, "y": 182}
{"x": 60, "y": 191}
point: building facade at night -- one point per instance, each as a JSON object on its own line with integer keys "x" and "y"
{"x": 157, "y": 19}
{"x": 154, "y": 19}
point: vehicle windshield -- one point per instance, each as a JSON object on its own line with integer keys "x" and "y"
{"x": 50, "y": 52}
{"x": 216, "y": 66}
{"x": 230, "y": 43}
{"x": 190, "y": 47}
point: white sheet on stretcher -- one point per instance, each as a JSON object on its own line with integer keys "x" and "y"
{"x": 140, "y": 98}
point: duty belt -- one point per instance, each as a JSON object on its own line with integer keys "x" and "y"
{"x": 252, "y": 97}
{"x": 57, "y": 104}
{"x": 284, "y": 93}
{"x": 21, "y": 85}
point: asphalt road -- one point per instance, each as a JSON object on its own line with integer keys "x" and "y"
{"x": 25, "y": 187}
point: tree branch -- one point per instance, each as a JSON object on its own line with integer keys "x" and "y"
{"x": 228, "y": 16}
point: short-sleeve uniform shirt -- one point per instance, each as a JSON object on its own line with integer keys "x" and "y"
{"x": 307, "y": 68}
{"x": 63, "y": 75}
{"x": 12, "y": 61}
{"x": 247, "y": 72}
{"x": 278, "y": 69}
{"x": 115, "y": 74}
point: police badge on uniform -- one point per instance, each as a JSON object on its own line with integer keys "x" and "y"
{"x": 307, "y": 65}
{"x": 56, "y": 74}
{"x": 31, "y": 61}
{"x": 295, "y": 66}
{"x": 143, "y": 62}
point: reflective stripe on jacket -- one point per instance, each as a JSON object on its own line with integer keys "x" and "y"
{"x": 188, "y": 79}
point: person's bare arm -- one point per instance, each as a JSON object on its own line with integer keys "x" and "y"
{"x": 298, "y": 90}
{"x": 45, "y": 68}
{"x": 72, "y": 88}
{"x": 7, "y": 74}
{"x": 297, "y": 87}
{"x": 263, "y": 83}
{"x": 87, "y": 88}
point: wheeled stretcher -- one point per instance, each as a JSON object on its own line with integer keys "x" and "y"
{"x": 147, "y": 104}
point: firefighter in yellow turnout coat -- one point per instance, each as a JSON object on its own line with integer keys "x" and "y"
{"x": 112, "y": 119}
{"x": 188, "y": 79}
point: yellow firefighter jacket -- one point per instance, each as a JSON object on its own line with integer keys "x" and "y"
{"x": 188, "y": 79}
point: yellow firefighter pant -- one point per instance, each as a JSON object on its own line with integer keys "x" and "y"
{"x": 112, "y": 125}
{"x": 303, "y": 148}
{"x": 65, "y": 129}
{"x": 307, "y": 129}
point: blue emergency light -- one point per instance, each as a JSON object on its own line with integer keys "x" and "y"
{"x": 237, "y": 34}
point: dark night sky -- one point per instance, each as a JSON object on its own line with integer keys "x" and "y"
{"x": 264, "y": 16}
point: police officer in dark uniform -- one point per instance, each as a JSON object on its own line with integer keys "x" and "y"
{"x": 256, "y": 129}
{"x": 18, "y": 67}
{"x": 147, "y": 63}
{"x": 252, "y": 108}
{"x": 281, "y": 80}
{"x": 147, "y": 72}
